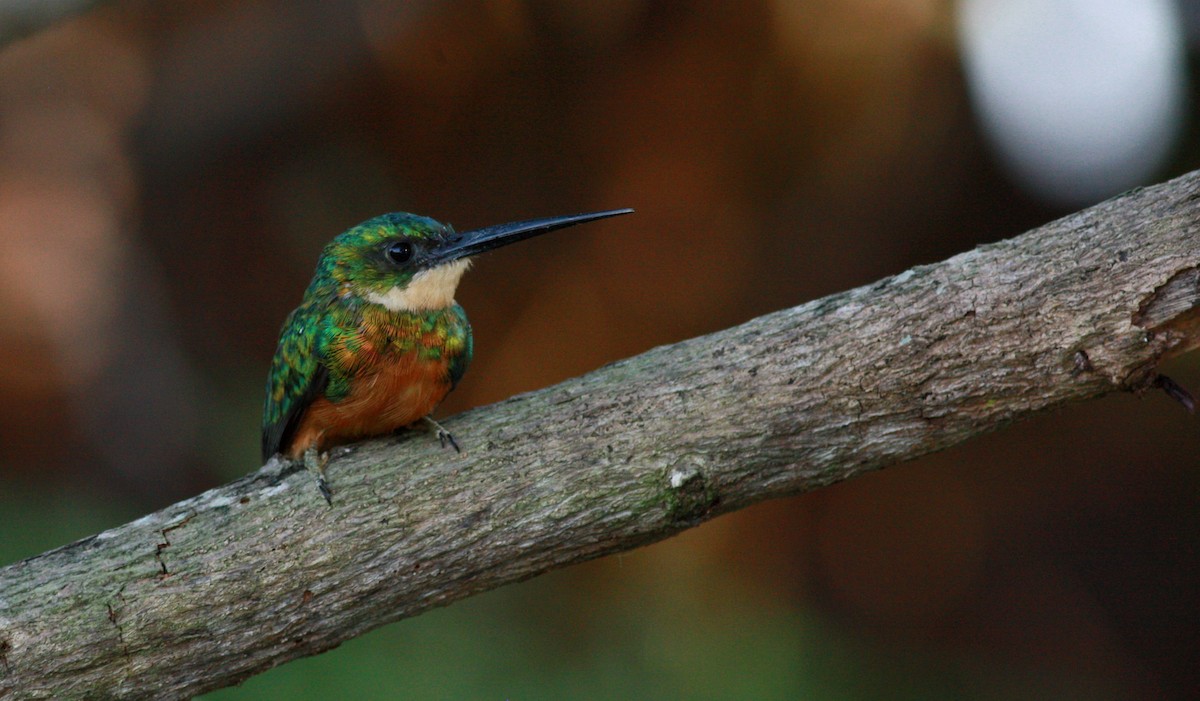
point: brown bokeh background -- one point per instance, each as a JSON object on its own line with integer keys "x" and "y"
{"x": 169, "y": 172}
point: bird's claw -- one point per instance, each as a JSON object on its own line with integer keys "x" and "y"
{"x": 444, "y": 437}
{"x": 315, "y": 463}
{"x": 323, "y": 488}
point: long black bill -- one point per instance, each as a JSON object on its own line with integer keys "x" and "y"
{"x": 475, "y": 242}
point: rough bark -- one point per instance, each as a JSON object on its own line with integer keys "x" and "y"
{"x": 244, "y": 577}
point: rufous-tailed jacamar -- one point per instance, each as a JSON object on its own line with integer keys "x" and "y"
{"x": 378, "y": 340}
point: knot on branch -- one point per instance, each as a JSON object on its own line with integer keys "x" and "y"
{"x": 1172, "y": 311}
{"x": 688, "y": 495}
{"x": 1170, "y": 319}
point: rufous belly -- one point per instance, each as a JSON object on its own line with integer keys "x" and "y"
{"x": 387, "y": 398}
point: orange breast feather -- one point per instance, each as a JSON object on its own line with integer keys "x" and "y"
{"x": 394, "y": 394}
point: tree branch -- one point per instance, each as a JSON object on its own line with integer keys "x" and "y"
{"x": 212, "y": 590}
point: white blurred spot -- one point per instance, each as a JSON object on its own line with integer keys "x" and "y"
{"x": 1081, "y": 98}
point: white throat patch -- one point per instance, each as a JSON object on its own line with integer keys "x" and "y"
{"x": 428, "y": 289}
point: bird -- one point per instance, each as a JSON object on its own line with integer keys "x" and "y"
{"x": 378, "y": 340}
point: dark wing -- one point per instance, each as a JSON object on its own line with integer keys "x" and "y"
{"x": 460, "y": 327}
{"x": 297, "y": 378}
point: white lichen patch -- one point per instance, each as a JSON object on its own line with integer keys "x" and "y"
{"x": 218, "y": 502}
{"x": 274, "y": 489}
{"x": 681, "y": 476}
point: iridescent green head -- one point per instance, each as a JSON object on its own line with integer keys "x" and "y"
{"x": 411, "y": 263}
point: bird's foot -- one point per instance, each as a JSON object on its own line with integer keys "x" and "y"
{"x": 444, "y": 437}
{"x": 315, "y": 463}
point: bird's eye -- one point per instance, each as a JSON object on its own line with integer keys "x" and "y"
{"x": 399, "y": 252}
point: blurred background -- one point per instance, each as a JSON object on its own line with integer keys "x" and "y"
{"x": 170, "y": 171}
